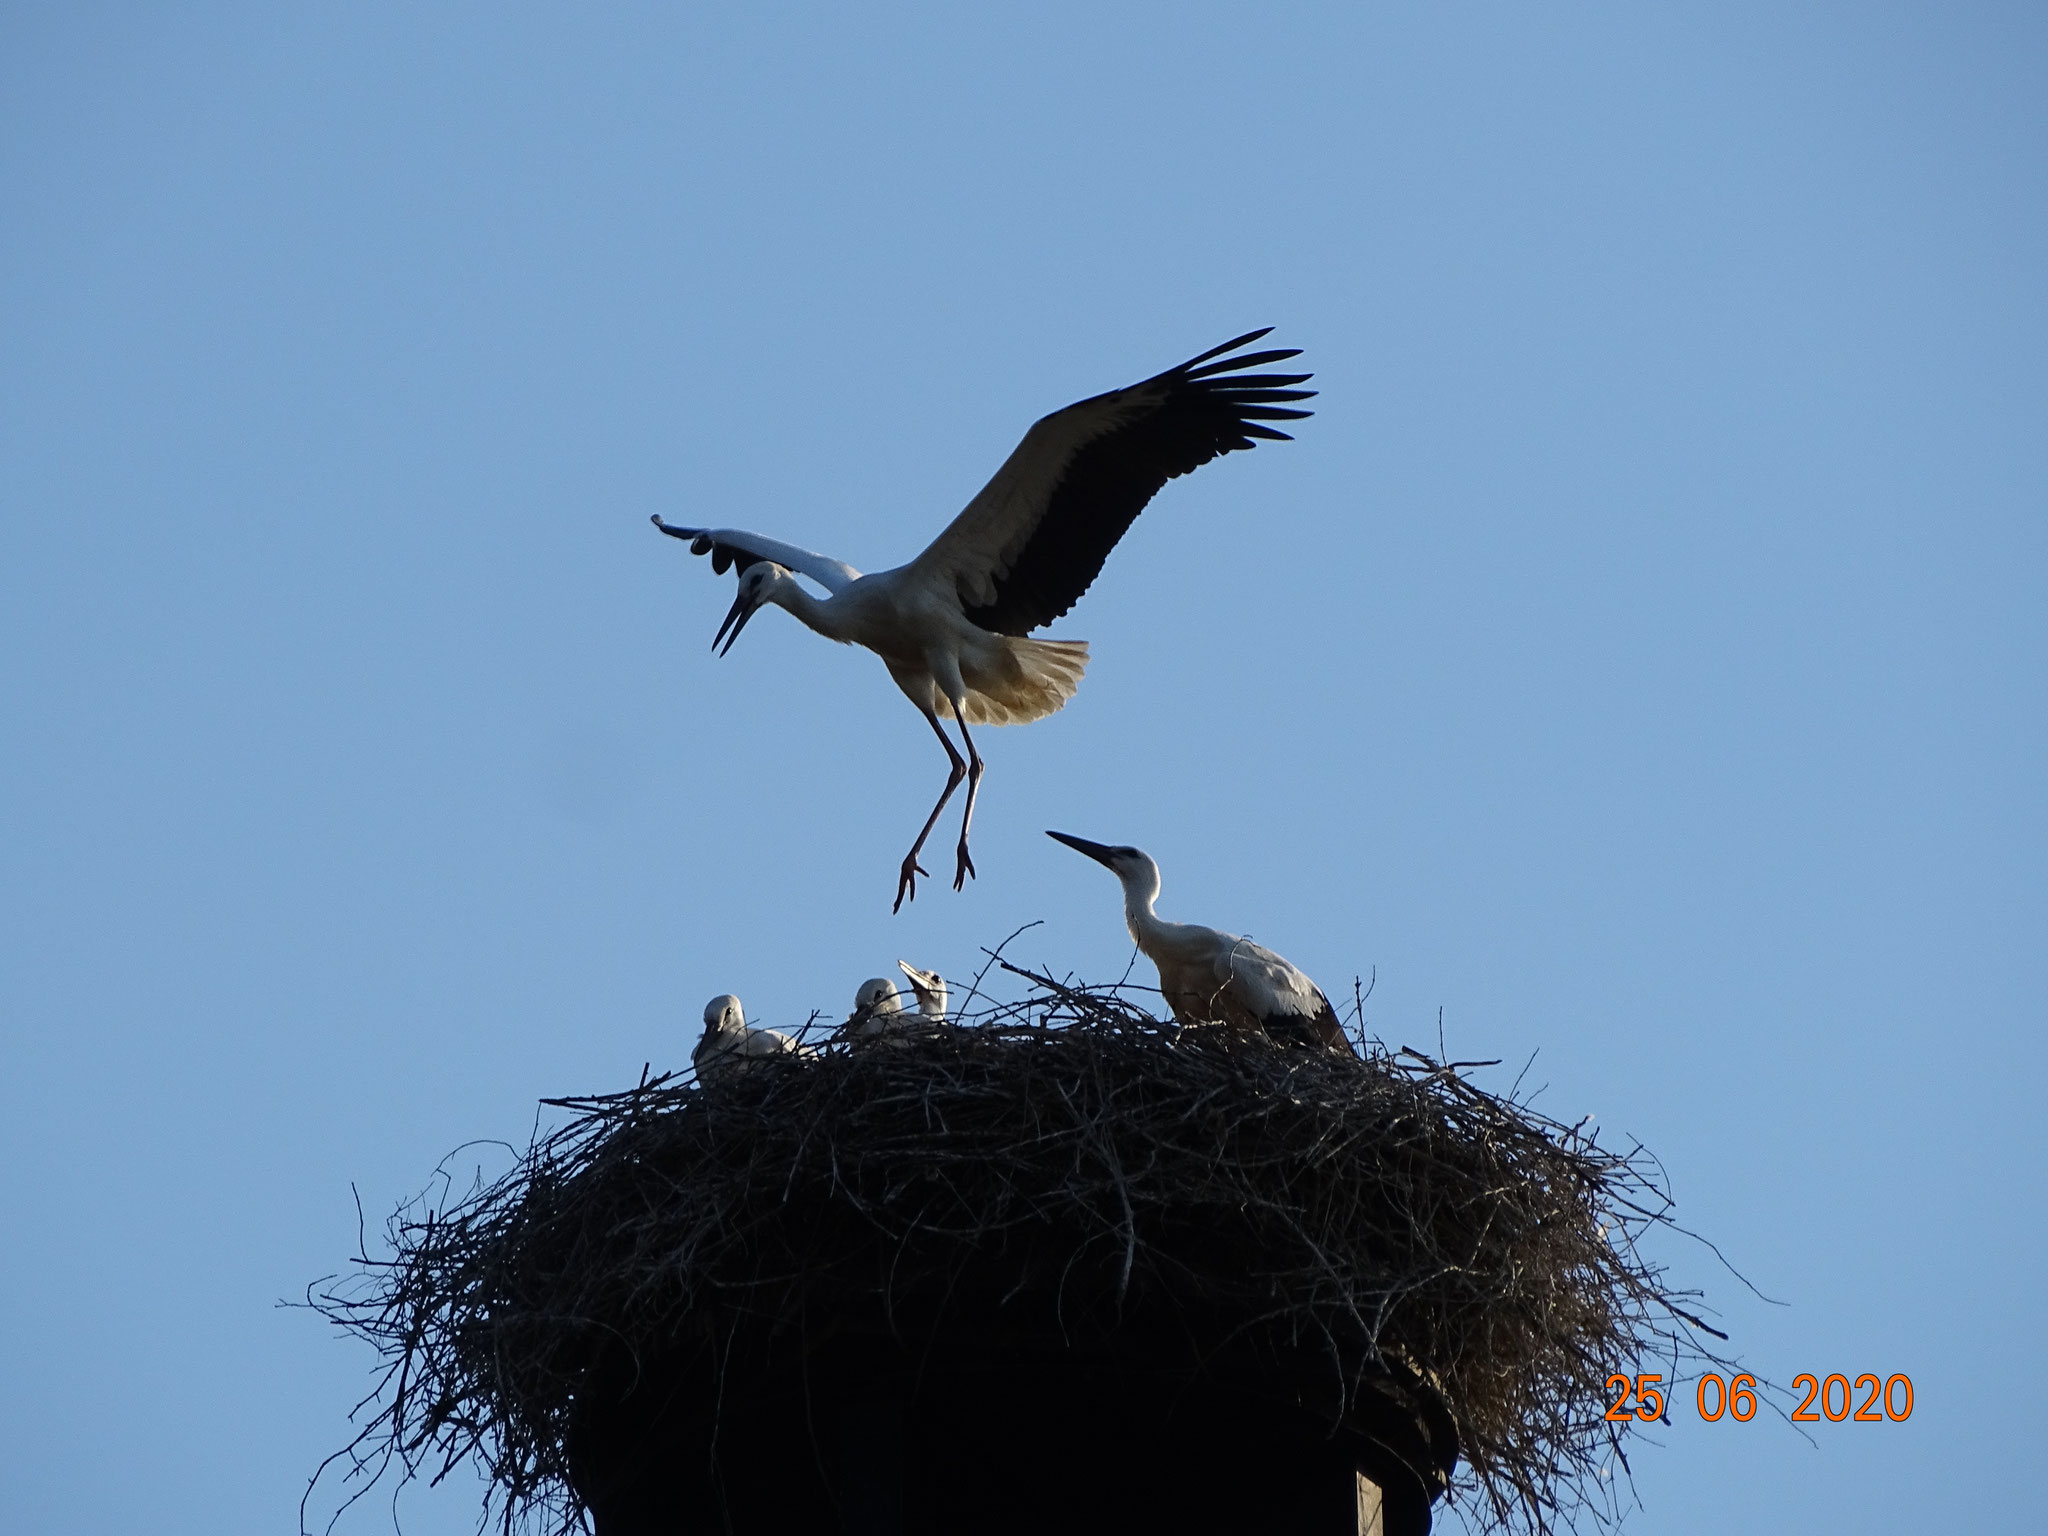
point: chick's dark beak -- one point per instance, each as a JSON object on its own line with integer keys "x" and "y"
{"x": 1096, "y": 851}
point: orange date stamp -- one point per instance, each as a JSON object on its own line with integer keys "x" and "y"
{"x": 1717, "y": 1397}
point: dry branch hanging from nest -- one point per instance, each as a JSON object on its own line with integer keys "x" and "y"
{"x": 1059, "y": 1174}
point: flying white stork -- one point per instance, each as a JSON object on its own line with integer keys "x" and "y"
{"x": 951, "y": 626}
{"x": 729, "y": 1046}
{"x": 1209, "y": 976}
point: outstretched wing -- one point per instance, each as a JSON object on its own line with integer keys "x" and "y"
{"x": 736, "y": 549}
{"x": 1028, "y": 546}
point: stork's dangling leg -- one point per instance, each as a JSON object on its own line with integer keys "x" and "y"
{"x": 906, "y": 877}
{"x": 965, "y": 867}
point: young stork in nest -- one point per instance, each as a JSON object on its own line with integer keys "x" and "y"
{"x": 1209, "y": 976}
{"x": 878, "y": 1011}
{"x": 930, "y": 988}
{"x": 952, "y": 625}
{"x": 729, "y": 1047}
{"x": 877, "y": 1014}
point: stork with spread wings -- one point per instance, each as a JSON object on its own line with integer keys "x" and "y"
{"x": 953, "y": 625}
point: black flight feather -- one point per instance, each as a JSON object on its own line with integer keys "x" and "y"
{"x": 1202, "y": 411}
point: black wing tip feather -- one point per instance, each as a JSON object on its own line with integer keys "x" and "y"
{"x": 1251, "y": 397}
{"x": 1229, "y": 346}
{"x": 1248, "y": 396}
{"x": 1216, "y": 362}
{"x": 1237, "y": 364}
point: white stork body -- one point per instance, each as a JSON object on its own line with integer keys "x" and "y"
{"x": 729, "y": 1047}
{"x": 1209, "y": 976}
{"x": 953, "y": 625}
{"x": 935, "y": 654}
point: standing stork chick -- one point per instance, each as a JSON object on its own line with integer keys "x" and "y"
{"x": 1211, "y": 976}
{"x": 729, "y": 1047}
{"x": 930, "y": 988}
{"x": 953, "y": 626}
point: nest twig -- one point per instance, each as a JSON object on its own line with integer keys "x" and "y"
{"x": 1387, "y": 1209}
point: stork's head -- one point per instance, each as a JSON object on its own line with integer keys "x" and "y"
{"x": 877, "y": 995}
{"x": 723, "y": 1013}
{"x": 930, "y": 988}
{"x": 757, "y": 584}
{"x": 1131, "y": 865}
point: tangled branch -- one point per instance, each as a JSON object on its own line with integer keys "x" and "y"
{"x": 1386, "y": 1210}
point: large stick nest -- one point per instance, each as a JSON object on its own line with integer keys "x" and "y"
{"x": 1372, "y": 1215}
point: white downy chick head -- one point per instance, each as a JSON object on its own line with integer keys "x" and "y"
{"x": 877, "y": 995}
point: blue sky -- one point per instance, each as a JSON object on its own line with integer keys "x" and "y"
{"x": 1639, "y": 657}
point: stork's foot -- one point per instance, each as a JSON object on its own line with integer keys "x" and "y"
{"x": 965, "y": 869}
{"x": 906, "y": 880}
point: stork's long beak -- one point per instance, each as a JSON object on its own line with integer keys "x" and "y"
{"x": 735, "y": 620}
{"x": 1096, "y": 851}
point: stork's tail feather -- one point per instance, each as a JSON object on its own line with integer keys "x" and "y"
{"x": 1038, "y": 678}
